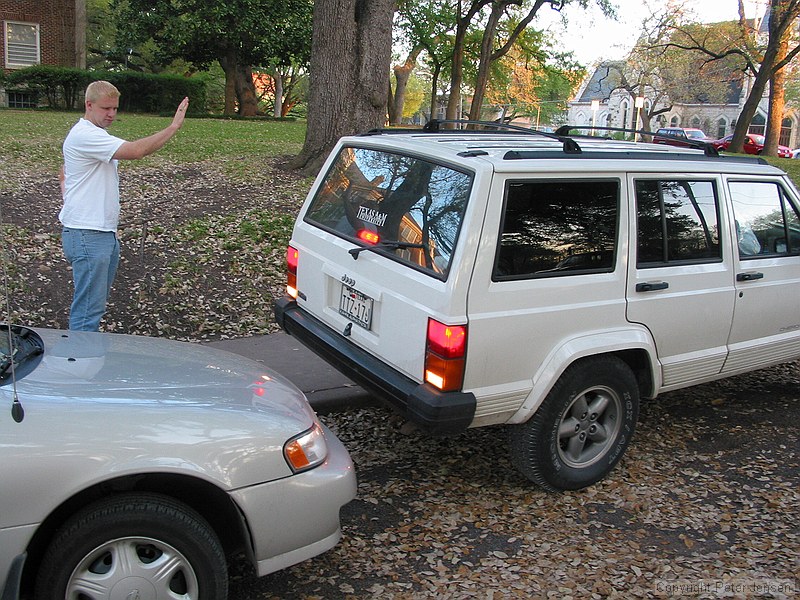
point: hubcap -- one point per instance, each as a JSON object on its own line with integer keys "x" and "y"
{"x": 589, "y": 427}
{"x": 133, "y": 568}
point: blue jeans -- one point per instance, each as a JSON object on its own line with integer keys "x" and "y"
{"x": 94, "y": 256}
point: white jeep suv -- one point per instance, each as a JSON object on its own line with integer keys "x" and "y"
{"x": 542, "y": 281}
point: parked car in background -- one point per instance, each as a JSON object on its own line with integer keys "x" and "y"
{"x": 753, "y": 144}
{"x": 679, "y": 136}
{"x": 132, "y": 466}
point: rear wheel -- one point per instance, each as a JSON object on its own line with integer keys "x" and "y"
{"x": 138, "y": 545}
{"x": 582, "y": 428}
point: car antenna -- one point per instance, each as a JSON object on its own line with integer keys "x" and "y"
{"x": 17, "y": 411}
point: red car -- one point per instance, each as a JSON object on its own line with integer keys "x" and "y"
{"x": 753, "y": 144}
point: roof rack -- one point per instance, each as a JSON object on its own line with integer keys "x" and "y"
{"x": 435, "y": 126}
{"x": 708, "y": 149}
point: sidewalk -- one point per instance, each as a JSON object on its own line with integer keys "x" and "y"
{"x": 326, "y": 388}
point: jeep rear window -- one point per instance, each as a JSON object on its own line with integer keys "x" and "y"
{"x": 378, "y": 198}
{"x": 553, "y": 228}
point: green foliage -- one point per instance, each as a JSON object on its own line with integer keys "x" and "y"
{"x": 142, "y": 92}
{"x": 61, "y": 86}
{"x": 258, "y": 32}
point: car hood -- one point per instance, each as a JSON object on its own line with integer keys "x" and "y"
{"x": 111, "y": 367}
{"x": 109, "y": 403}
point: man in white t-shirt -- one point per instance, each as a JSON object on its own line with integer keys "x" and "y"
{"x": 90, "y": 187}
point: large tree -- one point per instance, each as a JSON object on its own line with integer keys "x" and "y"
{"x": 236, "y": 33}
{"x": 657, "y": 70}
{"x": 501, "y": 22}
{"x": 762, "y": 62}
{"x": 427, "y": 26}
{"x": 351, "y": 51}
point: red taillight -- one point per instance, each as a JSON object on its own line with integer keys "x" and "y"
{"x": 291, "y": 270}
{"x": 370, "y": 237}
{"x": 445, "y": 355}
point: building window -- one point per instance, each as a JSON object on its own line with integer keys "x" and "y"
{"x": 721, "y": 128}
{"x": 674, "y": 121}
{"x": 22, "y": 100}
{"x": 758, "y": 125}
{"x": 21, "y": 44}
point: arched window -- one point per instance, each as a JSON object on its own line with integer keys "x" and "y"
{"x": 786, "y": 132}
{"x": 758, "y": 124}
{"x": 674, "y": 121}
{"x": 722, "y": 128}
{"x": 625, "y": 121}
{"x": 695, "y": 122}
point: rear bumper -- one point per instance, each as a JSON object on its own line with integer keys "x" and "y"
{"x": 434, "y": 411}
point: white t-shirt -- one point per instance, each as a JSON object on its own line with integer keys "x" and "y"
{"x": 91, "y": 182}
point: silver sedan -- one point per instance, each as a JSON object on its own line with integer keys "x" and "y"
{"x": 132, "y": 466}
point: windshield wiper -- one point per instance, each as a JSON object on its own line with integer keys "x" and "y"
{"x": 354, "y": 252}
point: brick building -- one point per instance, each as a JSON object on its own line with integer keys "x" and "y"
{"x": 47, "y": 32}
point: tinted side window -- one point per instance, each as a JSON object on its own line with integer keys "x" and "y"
{"x": 678, "y": 222}
{"x": 405, "y": 207}
{"x": 767, "y": 224}
{"x": 557, "y": 228}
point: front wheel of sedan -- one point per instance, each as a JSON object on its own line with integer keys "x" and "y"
{"x": 143, "y": 546}
{"x": 582, "y": 428}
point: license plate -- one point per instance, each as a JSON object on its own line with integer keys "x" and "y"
{"x": 356, "y": 306}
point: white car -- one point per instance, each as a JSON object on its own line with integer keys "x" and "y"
{"x": 132, "y": 466}
{"x": 542, "y": 281}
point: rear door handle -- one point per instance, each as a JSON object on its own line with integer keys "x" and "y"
{"x": 651, "y": 286}
{"x": 749, "y": 276}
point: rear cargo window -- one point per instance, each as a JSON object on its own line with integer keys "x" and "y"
{"x": 553, "y": 228}
{"x": 407, "y": 207}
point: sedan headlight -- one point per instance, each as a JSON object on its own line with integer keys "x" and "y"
{"x": 306, "y": 450}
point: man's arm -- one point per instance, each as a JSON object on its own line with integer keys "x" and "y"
{"x": 152, "y": 143}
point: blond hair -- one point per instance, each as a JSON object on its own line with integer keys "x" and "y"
{"x": 101, "y": 89}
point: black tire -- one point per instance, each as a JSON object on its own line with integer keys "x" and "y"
{"x": 129, "y": 543}
{"x": 582, "y": 428}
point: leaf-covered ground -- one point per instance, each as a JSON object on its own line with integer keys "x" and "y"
{"x": 202, "y": 252}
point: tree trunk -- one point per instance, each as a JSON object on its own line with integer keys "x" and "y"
{"x": 457, "y": 67}
{"x": 402, "y": 73}
{"x": 350, "y": 59}
{"x": 246, "y": 91}
{"x": 482, "y": 78}
{"x": 751, "y": 104}
{"x": 229, "y": 68}
{"x": 277, "y": 109}
{"x": 437, "y": 69}
{"x": 777, "y": 101}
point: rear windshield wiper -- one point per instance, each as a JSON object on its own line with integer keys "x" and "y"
{"x": 354, "y": 252}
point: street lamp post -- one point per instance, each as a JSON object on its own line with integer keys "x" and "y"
{"x": 639, "y": 104}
